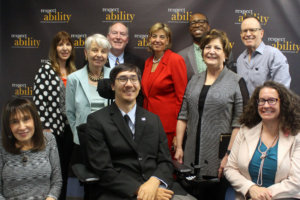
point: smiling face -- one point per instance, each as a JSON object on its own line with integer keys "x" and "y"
{"x": 96, "y": 55}
{"x": 118, "y": 37}
{"x": 22, "y": 128}
{"x": 198, "y": 26}
{"x": 126, "y": 91}
{"x": 159, "y": 41}
{"x": 213, "y": 54}
{"x": 64, "y": 49}
{"x": 251, "y": 33}
{"x": 269, "y": 112}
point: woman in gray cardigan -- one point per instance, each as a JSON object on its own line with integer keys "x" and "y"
{"x": 29, "y": 161}
{"x": 212, "y": 104}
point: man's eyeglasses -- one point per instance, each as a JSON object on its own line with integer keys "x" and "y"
{"x": 271, "y": 101}
{"x": 251, "y": 30}
{"x": 202, "y": 21}
{"x": 124, "y": 79}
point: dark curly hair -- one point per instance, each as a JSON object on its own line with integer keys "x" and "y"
{"x": 289, "y": 116}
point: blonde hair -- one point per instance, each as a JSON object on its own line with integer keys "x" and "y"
{"x": 160, "y": 26}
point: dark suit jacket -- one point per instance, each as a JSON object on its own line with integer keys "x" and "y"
{"x": 122, "y": 163}
{"x": 106, "y": 92}
{"x": 188, "y": 55}
{"x": 131, "y": 59}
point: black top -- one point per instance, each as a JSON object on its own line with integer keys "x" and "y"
{"x": 202, "y": 98}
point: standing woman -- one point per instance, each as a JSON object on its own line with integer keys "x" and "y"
{"x": 49, "y": 97}
{"x": 82, "y": 97}
{"x": 29, "y": 162}
{"x": 212, "y": 104}
{"x": 164, "y": 80}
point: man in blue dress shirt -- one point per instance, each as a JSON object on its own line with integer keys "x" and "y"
{"x": 260, "y": 62}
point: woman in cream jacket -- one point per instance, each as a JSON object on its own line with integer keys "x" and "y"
{"x": 264, "y": 162}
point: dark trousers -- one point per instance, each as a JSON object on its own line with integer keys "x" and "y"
{"x": 65, "y": 147}
{"x": 208, "y": 190}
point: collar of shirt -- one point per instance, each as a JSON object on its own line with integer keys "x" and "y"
{"x": 131, "y": 115}
{"x": 258, "y": 50}
{"x": 112, "y": 59}
{"x": 197, "y": 47}
{"x": 200, "y": 64}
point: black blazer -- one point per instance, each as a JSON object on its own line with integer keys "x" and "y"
{"x": 124, "y": 163}
{"x": 131, "y": 59}
{"x": 104, "y": 88}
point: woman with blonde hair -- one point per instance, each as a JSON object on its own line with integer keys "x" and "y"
{"x": 164, "y": 80}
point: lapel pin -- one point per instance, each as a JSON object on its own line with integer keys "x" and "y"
{"x": 143, "y": 118}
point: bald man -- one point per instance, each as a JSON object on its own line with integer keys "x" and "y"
{"x": 260, "y": 62}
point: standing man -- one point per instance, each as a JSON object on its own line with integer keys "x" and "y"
{"x": 198, "y": 26}
{"x": 127, "y": 147}
{"x": 260, "y": 62}
{"x": 118, "y": 38}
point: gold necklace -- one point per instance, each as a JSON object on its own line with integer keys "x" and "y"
{"x": 97, "y": 78}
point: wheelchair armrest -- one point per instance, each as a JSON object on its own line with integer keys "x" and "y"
{"x": 83, "y": 174}
{"x": 181, "y": 168}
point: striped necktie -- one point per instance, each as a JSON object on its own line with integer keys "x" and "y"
{"x": 117, "y": 62}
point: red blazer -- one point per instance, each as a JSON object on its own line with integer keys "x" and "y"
{"x": 164, "y": 89}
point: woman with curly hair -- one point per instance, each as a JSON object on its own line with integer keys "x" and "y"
{"x": 265, "y": 158}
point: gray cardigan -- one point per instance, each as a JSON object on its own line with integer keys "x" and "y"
{"x": 37, "y": 178}
{"x": 221, "y": 111}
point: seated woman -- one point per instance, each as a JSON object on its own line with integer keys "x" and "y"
{"x": 29, "y": 161}
{"x": 212, "y": 104}
{"x": 265, "y": 158}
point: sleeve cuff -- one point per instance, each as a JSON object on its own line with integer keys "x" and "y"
{"x": 163, "y": 184}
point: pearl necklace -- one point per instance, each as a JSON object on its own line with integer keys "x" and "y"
{"x": 156, "y": 61}
{"x": 264, "y": 154}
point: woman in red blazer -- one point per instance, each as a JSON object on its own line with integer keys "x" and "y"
{"x": 164, "y": 79}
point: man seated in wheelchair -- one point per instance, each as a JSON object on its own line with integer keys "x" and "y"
{"x": 127, "y": 147}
